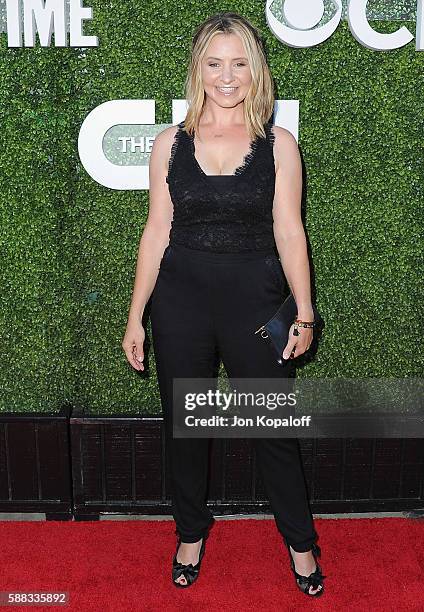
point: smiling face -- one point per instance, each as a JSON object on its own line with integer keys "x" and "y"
{"x": 225, "y": 69}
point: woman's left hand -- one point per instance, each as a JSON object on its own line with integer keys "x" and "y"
{"x": 296, "y": 345}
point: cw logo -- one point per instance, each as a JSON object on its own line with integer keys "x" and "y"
{"x": 302, "y": 15}
{"x": 115, "y": 157}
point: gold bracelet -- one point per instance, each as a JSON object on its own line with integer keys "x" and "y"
{"x": 298, "y": 323}
{"x": 301, "y": 323}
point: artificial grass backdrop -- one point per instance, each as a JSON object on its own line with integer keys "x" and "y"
{"x": 69, "y": 245}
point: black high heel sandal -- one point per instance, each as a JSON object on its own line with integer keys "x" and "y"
{"x": 314, "y": 580}
{"x": 189, "y": 571}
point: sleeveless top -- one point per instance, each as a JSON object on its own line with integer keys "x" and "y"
{"x": 222, "y": 213}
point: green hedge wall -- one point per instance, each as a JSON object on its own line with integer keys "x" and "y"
{"x": 69, "y": 245}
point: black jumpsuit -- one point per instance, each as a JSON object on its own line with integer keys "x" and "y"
{"x": 220, "y": 278}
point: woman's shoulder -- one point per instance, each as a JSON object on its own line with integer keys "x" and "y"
{"x": 282, "y": 136}
{"x": 285, "y": 144}
{"x": 164, "y": 145}
{"x": 285, "y": 147}
{"x": 167, "y": 136}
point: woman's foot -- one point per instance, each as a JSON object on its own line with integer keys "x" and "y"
{"x": 305, "y": 565}
{"x": 188, "y": 553}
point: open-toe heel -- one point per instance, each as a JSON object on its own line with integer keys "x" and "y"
{"x": 314, "y": 580}
{"x": 189, "y": 571}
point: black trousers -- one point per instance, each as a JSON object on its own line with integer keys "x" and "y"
{"x": 205, "y": 307}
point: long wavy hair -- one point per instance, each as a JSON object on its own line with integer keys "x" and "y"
{"x": 259, "y": 102}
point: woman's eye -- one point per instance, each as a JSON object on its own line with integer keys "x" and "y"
{"x": 238, "y": 64}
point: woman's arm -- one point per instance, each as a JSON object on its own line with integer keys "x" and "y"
{"x": 288, "y": 228}
{"x": 289, "y": 233}
{"x": 155, "y": 236}
{"x": 153, "y": 242}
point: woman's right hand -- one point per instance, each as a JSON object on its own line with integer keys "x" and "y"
{"x": 133, "y": 344}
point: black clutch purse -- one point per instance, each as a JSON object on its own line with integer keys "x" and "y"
{"x": 276, "y": 330}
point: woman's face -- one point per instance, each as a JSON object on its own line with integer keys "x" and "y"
{"x": 226, "y": 72}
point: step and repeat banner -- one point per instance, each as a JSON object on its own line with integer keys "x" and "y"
{"x": 85, "y": 87}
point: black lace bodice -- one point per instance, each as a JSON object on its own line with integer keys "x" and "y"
{"x": 222, "y": 213}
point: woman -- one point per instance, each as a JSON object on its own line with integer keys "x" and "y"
{"x": 225, "y": 193}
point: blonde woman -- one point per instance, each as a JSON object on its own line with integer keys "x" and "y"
{"x": 222, "y": 239}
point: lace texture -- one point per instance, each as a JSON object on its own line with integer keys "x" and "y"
{"x": 222, "y": 213}
{"x": 177, "y": 139}
{"x": 240, "y": 169}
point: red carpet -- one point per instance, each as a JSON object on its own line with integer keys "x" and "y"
{"x": 370, "y": 564}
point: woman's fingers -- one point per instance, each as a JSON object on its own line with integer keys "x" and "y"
{"x": 130, "y": 355}
{"x": 134, "y": 353}
{"x": 139, "y": 356}
{"x": 289, "y": 348}
{"x": 297, "y": 345}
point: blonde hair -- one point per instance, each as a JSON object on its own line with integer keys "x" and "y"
{"x": 259, "y": 101}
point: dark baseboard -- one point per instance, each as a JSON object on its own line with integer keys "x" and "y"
{"x": 75, "y": 465}
{"x": 118, "y": 466}
{"x": 35, "y": 463}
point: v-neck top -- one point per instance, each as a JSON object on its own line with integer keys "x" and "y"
{"x": 222, "y": 212}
